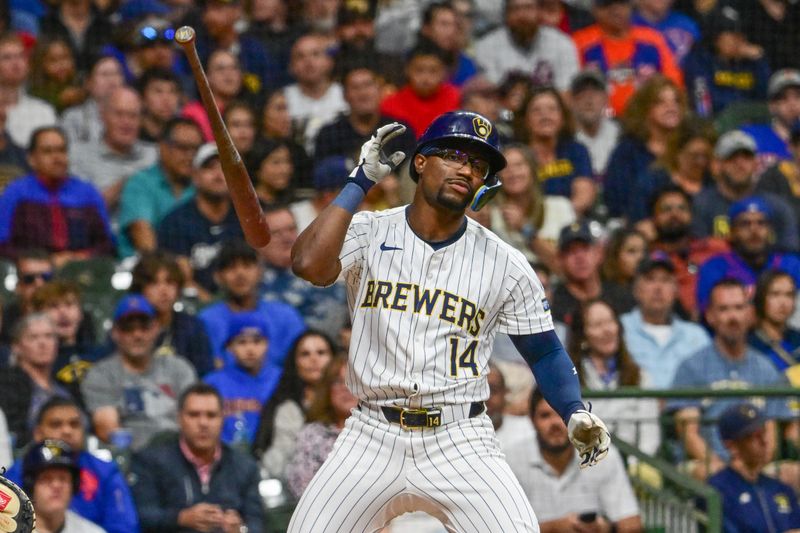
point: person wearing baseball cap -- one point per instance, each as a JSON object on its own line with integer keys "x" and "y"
{"x": 783, "y": 94}
{"x": 783, "y": 178}
{"x": 751, "y": 500}
{"x": 752, "y": 249}
{"x": 594, "y": 129}
{"x": 132, "y": 388}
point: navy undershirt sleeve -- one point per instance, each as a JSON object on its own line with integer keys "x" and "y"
{"x": 553, "y": 369}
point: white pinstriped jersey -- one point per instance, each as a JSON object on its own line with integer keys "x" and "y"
{"x": 424, "y": 320}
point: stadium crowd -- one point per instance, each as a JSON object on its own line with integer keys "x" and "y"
{"x": 159, "y": 374}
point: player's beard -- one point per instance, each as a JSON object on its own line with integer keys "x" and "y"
{"x": 448, "y": 201}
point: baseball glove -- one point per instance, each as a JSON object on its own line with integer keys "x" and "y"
{"x": 16, "y": 509}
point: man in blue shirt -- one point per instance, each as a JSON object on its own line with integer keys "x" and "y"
{"x": 783, "y": 93}
{"x": 678, "y": 30}
{"x": 104, "y": 496}
{"x": 751, "y": 501}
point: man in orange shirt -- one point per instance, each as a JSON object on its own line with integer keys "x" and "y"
{"x": 627, "y": 54}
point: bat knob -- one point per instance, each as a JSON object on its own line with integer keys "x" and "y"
{"x": 184, "y": 34}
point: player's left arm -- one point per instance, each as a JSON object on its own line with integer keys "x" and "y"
{"x": 557, "y": 379}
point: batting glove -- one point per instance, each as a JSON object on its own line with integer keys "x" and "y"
{"x": 373, "y": 165}
{"x": 590, "y": 437}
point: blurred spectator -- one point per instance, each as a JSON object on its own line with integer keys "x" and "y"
{"x": 61, "y": 301}
{"x": 24, "y": 113}
{"x": 283, "y": 415}
{"x": 51, "y": 478}
{"x": 624, "y": 251}
{"x": 272, "y": 172}
{"x": 83, "y": 123}
{"x": 276, "y": 125}
{"x": 735, "y": 179}
{"x": 598, "y": 133}
{"x": 153, "y": 192}
{"x": 315, "y": 99}
{"x": 481, "y": 96}
{"x": 671, "y": 214}
{"x": 686, "y": 163}
{"x": 240, "y": 120}
{"x": 150, "y": 46}
{"x": 77, "y": 226}
{"x": 34, "y": 348}
{"x": 440, "y": 25}
{"x": 6, "y": 453}
{"x": 319, "y": 15}
{"x": 196, "y": 229}
{"x": 772, "y": 140}
{"x": 104, "y": 496}
{"x": 34, "y": 268}
{"x": 679, "y": 31}
{"x": 270, "y": 24}
{"x": 752, "y": 250}
{"x": 783, "y": 178}
{"x": 523, "y": 215}
{"x": 657, "y": 338}
{"x": 653, "y": 114}
{"x": 723, "y": 69}
{"x": 772, "y": 25}
{"x": 225, "y": 81}
{"x": 322, "y": 308}
{"x": 580, "y": 256}
{"x": 396, "y": 25}
{"x": 118, "y": 154}
{"x": 564, "y": 165}
{"x": 219, "y": 31}
{"x": 80, "y": 23}
{"x": 54, "y": 76}
{"x": 158, "y": 277}
{"x": 751, "y": 500}
{"x": 196, "y": 482}
{"x": 727, "y": 363}
{"x": 238, "y": 272}
{"x": 508, "y": 428}
{"x": 161, "y": 99}
{"x": 626, "y": 54}
{"x": 355, "y": 31}
{"x": 604, "y": 362}
{"x": 132, "y": 389}
{"x": 566, "y": 16}
{"x": 13, "y": 160}
{"x": 247, "y": 382}
{"x": 774, "y": 303}
{"x": 543, "y": 53}
{"x": 427, "y": 93}
{"x": 345, "y": 135}
{"x": 332, "y": 404}
{"x": 565, "y": 497}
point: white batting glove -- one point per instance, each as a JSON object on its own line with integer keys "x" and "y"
{"x": 590, "y": 437}
{"x": 373, "y": 165}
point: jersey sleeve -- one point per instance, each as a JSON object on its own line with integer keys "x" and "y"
{"x": 525, "y": 309}
{"x": 356, "y": 242}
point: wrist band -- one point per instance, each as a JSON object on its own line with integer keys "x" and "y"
{"x": 360, "y": 178}
{"x": 350, "y": 196}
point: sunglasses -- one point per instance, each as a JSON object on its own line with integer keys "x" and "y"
{"x": 27, "y": 279}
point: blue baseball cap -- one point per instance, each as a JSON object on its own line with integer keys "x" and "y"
{"x": 751, "y": 204}
{"x": 252, "y": 324}
{"x": 331, "y": 173}
{"x": 740, "y": 420}
{"x": 131, "y": 305}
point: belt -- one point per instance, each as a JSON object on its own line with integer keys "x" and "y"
{"x": 411, "y": 418}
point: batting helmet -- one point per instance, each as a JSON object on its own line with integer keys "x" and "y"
{"x": 462, "y": 129}
{"x": 50, "y": 453}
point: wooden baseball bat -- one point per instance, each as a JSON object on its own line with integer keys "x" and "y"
{"x": 243, "y": 195}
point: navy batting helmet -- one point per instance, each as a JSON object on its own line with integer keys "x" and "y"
{"x": 462, "y": 129}
{"x": 50, "y": 453}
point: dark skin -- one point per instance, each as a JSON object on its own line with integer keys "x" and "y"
{"x": 436, "y": 213}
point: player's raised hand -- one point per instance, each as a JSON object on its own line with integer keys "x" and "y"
{"x": 373, "y": 166}
{"x": 590, "y": 437}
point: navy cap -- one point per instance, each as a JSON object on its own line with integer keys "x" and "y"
{"x": 751, "y": 204}
{"x": 251, "y": 324}
{"x": 136, "y": 9}
{"x": 657, "y": 259}
{"x": 575, "y": 232}
{"x": 586, "y": 79}
{"x": 740, "y": 421}
{"x": 133, "y": 305}
{"x": 331, "y": 173}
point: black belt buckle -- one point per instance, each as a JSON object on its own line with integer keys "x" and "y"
{"x": 420, "y": 418}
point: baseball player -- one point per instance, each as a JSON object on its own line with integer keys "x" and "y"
{"x": 428, "y": 289}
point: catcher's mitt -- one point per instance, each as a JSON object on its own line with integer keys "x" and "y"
{"x": 16, "y": 509}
